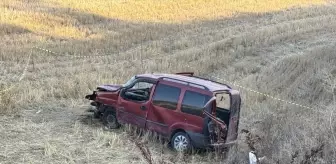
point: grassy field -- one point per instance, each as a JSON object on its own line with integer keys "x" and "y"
{"x": 282, "y": 48}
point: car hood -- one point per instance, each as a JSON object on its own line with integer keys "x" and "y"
{"x": 109, "y": 87}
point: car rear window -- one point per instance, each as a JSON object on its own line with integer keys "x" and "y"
{"x": 194, "y": 102}
{"x": 223, "y": 101}
{"x": 166, "y": 96}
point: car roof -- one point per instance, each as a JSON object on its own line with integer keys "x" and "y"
{"x": 211, "y": 85}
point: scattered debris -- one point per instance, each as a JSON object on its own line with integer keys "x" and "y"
{"x": 251, "y": 139}
{"x": 311, "y": 157}
{"x": 295, "y": 155}
{"x": 253, "y": 159}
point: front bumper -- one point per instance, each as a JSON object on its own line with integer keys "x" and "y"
{"x": 91, "y": 96}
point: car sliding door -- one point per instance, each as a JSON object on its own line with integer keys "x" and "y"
{"x": 164, "y": 110}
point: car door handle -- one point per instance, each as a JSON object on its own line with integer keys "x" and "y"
{"x": 142, "y": 107}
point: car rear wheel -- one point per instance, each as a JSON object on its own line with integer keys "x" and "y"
{"x": 110, "y": 120}
{"x": 181, "y": 142}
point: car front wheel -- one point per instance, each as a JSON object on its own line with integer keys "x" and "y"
{"x": 181, "y": 142}
{"x": 110, "y": 120}
{"x": 96, "y": 114}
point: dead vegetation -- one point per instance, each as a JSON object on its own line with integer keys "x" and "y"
{"x": 286, "y": 53}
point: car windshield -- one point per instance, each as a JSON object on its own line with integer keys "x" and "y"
{"x": 129, "y": 82}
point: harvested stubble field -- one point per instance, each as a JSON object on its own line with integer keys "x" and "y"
{"x": 283, "y": 48}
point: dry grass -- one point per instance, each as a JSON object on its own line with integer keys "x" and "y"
{"x": 39, "y": 16}
{"x": 176, "y": 11}
{"x": 286, "y": 53}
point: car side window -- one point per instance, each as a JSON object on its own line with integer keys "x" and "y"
{"x": 166, "y": 96}
{"x": 194, "y": 102}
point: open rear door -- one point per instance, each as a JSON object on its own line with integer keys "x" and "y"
{"x": 232, "y": 133}
{"x": 225, "y": 114}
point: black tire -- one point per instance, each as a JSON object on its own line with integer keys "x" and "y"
{"x": 181, "y": 142}
{"x": 96, "y": 114}
{"x": 110, "y": 120}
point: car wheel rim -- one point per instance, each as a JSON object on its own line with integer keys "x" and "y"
{"x": 180, "y": 143}
{"x": 110, "y": 119}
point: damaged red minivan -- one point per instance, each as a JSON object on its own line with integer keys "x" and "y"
{"x": 190, "y": 111}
